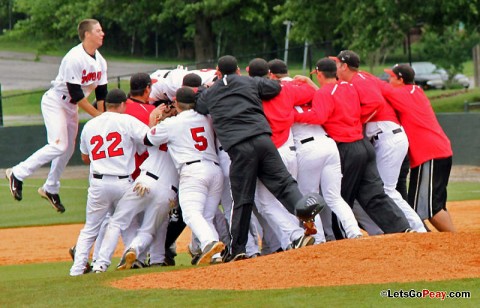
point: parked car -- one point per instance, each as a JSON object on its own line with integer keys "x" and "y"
{"x": 430, "y": 76}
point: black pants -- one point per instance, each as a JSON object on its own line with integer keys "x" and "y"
{"x": 402, "y": 178}
{"x": 254, "y": 158}
{"x": 362, "y": 181}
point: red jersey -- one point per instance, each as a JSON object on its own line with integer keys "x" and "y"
{"x": 279, "y": 110}
{"x": 374, "y": 106}
{"x": 425, "y": 135}
{"x": 336, "y": 107}
{"x": 141, "y": 111}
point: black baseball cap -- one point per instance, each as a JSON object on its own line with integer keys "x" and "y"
{"x": 140, "y": 81}
{"x": 185, "y": 95}
{"x": 257, "y": 67}
{"x": 227, "y": 65}
{"x": 403, "y": 71}
{"x": 277, "y": 66}
{"x": 349, "y": 57}
{"x": 116, "y": 96}
{"x": 326, "y": 65}
{"x": 192, "y": 80}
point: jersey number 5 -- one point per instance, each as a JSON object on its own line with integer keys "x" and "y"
{"x": 201, "y": 142}
{"x": 113, "y": 150}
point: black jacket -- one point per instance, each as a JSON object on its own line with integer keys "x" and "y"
{"x": 235, "y": 104}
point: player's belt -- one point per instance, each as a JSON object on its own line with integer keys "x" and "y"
{"x": 100, "y": 176}
{"x": 395, "y": 131}
{"x": 307, "y": 140}
{"x": 153, "y": 176}
{"x": 197, "y": 161}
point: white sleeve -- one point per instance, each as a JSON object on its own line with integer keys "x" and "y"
{"x": 158, "y": 134}
{"x": 72, "y": 70}
{"x": 138, "y": 129}
{"x": 83, "y": 143}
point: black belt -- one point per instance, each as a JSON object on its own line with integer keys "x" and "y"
{"x": 197, "y": 161}
{"x": 395, "y": 131}
{"x": 292, "y": 148}
{"x": 307, "y": 140}
{"x": 153, "y": 176}
{"x": 100, "y": 176}
{"x": 220, "y": 148}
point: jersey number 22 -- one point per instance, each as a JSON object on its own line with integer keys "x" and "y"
{"x": 113, "y": 150}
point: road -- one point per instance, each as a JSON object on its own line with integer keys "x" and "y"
{"x": 20, "y": 71}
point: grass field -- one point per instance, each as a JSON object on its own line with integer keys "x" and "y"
{"x": 48, "y": 284}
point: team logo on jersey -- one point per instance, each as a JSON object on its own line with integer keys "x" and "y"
{"x": 91, "y": 76}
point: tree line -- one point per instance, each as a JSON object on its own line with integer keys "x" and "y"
{"x": 202, "y": 30}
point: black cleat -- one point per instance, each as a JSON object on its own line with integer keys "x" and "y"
{"x": 88, "y": 267}
{"x": 54, "y": 199}
{"x": 309, "y": 206}
{"x": 15, "y": 184}
{"x": 302, "y": 241}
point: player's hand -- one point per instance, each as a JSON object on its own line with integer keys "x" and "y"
{"x": 141, "y": 189}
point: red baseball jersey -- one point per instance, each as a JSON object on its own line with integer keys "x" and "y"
{"x": 425, "y": 135}
{"x": 336, "y": 107}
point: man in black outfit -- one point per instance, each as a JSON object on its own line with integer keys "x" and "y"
{"x": 235, "y": 105}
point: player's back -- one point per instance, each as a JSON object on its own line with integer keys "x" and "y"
{"x": 190, "y": 138}
{"x": 110, "y": 140}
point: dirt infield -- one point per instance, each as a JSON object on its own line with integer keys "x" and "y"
{"x": 391, "y": 258}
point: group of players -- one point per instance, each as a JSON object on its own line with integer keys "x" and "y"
{"x": 269, "y": 145}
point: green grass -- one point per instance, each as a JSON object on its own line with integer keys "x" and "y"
{"x": 48, "y": 285}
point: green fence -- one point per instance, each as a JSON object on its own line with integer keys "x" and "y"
{"x": 17, "y": 143}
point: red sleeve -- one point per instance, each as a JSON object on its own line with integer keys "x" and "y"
{"x": 322, "y": 107}
{"x": 302, "y": 93}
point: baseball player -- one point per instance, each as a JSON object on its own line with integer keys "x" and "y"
{"x": 191, "y": 143}
{"x": 83, "y": 70}
{"x": 336, "y": 107}
{"x": 430, "y": 151}
{"x": 108, "y": 143}
{"x": 152, "y": 193}
{"x": 383, "y": 129}
{"x": 279, "y": 114}
{"x": 318, "y": 163}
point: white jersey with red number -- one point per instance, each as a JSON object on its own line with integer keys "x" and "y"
{"x": 78, "y": 67}
{"x": 189, "y": 136}
{"x": 111, "y": 140}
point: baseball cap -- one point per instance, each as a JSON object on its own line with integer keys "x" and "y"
{"x": 277, "y": 66}
{"x": 116, "y": 96}
{"x": 227, "y": 65}
{"x": 325, "y": 65}
{"x": 140, "y": 81}
{"x": 349, "y": 57}
{"x": 257, "y": 67}
{"x": 185, "y": 95}
{"x": 192, "y": 80}
{"x": 403, "y": 71}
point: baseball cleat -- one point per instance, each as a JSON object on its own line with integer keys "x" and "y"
{"x": 15, "y": 184}
{"x": 211, "y": 249}
{"x": 71, "y": 252}
{"x": 303, "y": 241}
{"x": 128, "y": 259}
{"x": 310, "y": 205}
{"x": 54, "y": 199}
{"x": 309, "y": 227}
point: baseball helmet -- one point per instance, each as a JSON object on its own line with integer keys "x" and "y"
{"x": 310, "y": 205}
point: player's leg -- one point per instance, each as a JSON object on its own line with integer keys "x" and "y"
{"x": 55, "y": 118}
{"x": 390, "y": 152}
{"x": 52, "y": 184}
{"x": 372, "y": 197}
{"x": 331, "y": 181}
{"x": 243, "y": 179}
